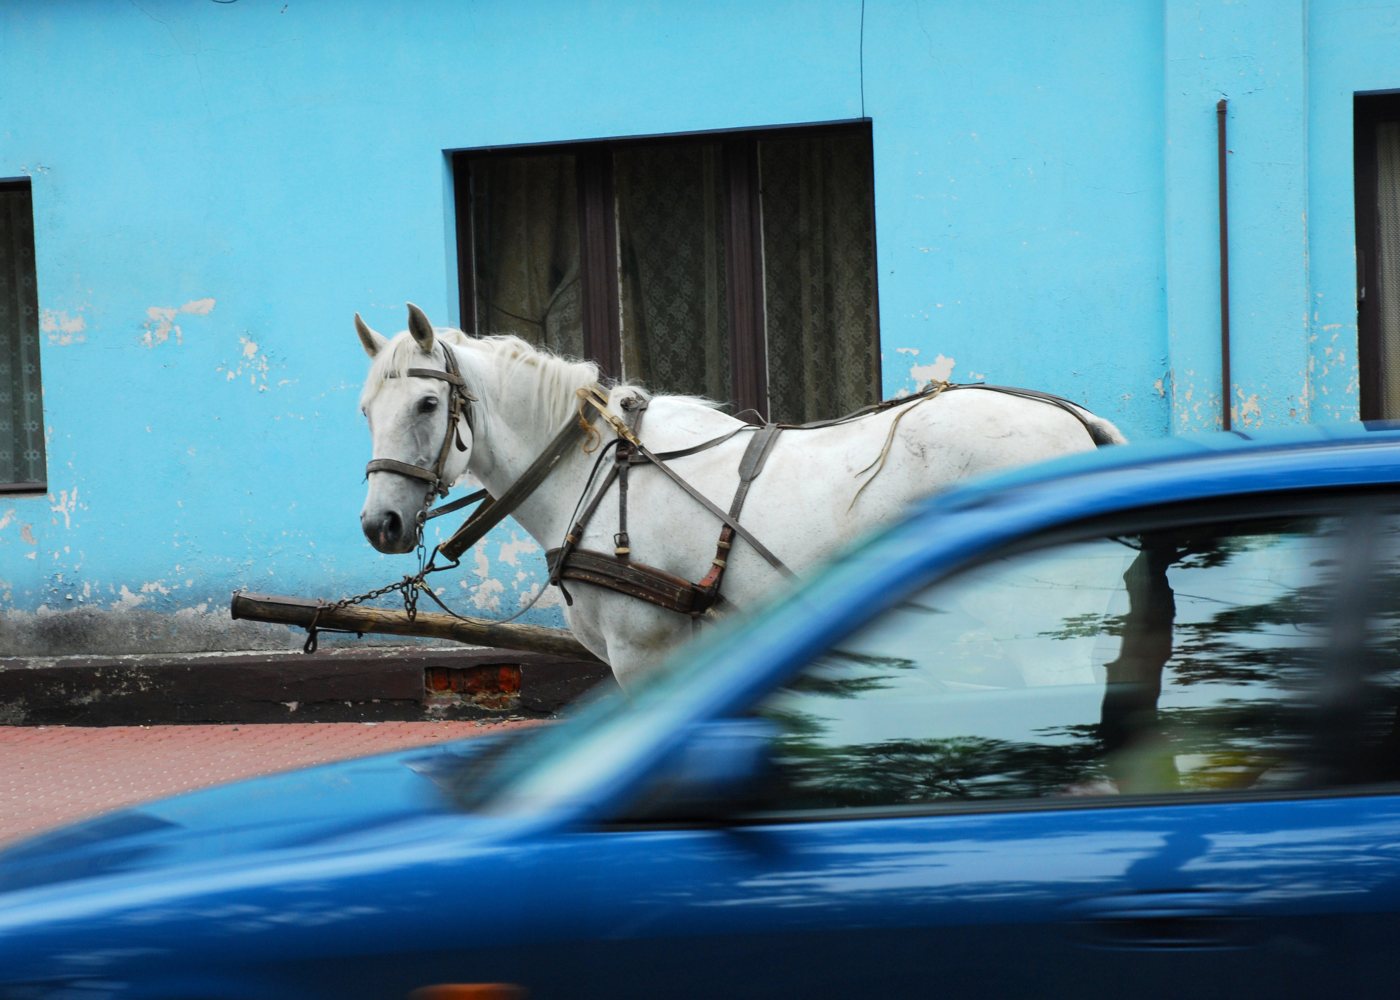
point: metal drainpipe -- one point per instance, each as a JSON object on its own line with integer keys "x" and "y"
{"x": 1224, "y": 266}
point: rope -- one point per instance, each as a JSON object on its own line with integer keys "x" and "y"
{"x": 930, "y": 392}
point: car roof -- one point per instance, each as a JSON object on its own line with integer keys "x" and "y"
{"x": 1371, "y": 451}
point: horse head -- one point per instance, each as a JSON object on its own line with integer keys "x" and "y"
{"x": 418, "y": 409}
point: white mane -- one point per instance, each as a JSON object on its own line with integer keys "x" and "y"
{"x": 499, "y": 365}
{"x": 514, "y": 365}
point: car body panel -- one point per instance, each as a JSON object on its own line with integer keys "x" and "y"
{"x": 464, "y": 863}
{"x": 1156, "y": 899}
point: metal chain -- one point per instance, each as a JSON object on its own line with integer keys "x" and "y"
{"x": 413, "y": 585}
{"x": 410, "y": 585}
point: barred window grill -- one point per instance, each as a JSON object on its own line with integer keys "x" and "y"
{"x": 21, "y": 397}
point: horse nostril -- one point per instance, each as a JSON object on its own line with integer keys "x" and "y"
{"x": 384, "y": 531}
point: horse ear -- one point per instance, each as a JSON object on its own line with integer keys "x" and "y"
{"x": 371, "y": 341}
{"x": 421, "y": 329}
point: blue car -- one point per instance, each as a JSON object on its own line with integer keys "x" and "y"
{"x": 1124, "y": 725}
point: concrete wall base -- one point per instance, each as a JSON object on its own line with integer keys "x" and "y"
{"x": 370, "y": 684}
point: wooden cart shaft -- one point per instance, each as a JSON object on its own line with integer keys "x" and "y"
{"x": 304, "y": 613}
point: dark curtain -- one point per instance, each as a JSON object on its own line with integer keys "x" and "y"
{"x": 1388, "y": 264}
{"x": 819, "y": 276}
{"x": 671, "y": 244}
{"x": 672, "y": 212}
{"x": 525, "y": 218}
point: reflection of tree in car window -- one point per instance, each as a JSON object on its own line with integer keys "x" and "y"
{"x": 1188, "y": 660}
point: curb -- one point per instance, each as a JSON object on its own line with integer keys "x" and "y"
{"x": 381, "y": 684}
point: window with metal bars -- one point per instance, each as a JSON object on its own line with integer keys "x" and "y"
{"x": 737, "y": 266}
{"x": 21, "y": 396}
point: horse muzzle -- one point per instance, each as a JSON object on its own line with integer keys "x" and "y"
{"x": 388, "y": 532}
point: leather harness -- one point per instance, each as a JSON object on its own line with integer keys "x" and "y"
{"x": 618, "y": 571}
{"x": 655, "y": 586}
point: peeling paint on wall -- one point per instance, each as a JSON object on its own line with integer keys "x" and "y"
{"x": 65, "y": 505}
{"x": 487, "y": 595}
{"x": 512, "y": 550}
{"x": 1193, "y": 411}
{"x": 483, "y": 592}
{"x": 161, "y": 325}
{"x": 551, "y": 599}
{"x": 1247, "y": 411}
{"x": 126, "y": 600}
{"x": 61, "y": 328}
{"x": 940, "y": 371}
{"x": 251, "y": 363}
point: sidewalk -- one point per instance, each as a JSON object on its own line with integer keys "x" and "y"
{"x": 52, "y": 775}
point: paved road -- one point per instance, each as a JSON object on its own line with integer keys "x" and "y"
{"x": 51, "y": 775}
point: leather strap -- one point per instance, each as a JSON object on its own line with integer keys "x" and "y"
{"x": 402, "y": 468}
{"x": 646, "y": 583}
{"x": 458, "y": 400}
{"x": 487, "y": 516}
{"x": 710, "y": 506}
{"x": 458, "y": 504}
{"x": 450, "y": 375}
{"x": 1044, "y": 397}
{"x": 695, "y": 449}
{"x": 755, "y": 457}
{"x": 622, "y": 544}
{"x": 575, "y": 533}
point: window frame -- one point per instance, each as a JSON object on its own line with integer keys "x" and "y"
{"x": 599, "y": 265}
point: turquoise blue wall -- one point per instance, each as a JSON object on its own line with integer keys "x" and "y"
{"x": 1019, "y": 191}
{"x": 218, "y": 187}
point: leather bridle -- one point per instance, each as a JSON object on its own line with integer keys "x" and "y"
{"x": 459, "y": 401}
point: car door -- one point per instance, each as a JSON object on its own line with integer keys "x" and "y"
{"x": 1155, "y": 758}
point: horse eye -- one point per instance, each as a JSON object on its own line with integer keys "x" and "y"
{"x": 427, "y": 404}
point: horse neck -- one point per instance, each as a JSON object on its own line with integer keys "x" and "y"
{"x": 517, "y": 419}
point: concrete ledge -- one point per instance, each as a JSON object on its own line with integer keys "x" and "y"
{"x": 371, "y": 684}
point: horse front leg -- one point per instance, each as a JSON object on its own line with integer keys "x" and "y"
{"x": 635, "y": 637}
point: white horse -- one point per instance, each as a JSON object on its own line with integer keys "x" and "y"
{"x": 807, "y": 501}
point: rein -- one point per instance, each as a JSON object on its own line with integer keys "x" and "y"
{"x": 486, "y": 517}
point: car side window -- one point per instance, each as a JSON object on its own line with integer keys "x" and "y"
{"x": 1243, "y": 656}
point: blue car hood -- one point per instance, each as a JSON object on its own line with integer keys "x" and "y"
{"x": 335, "y": 806}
